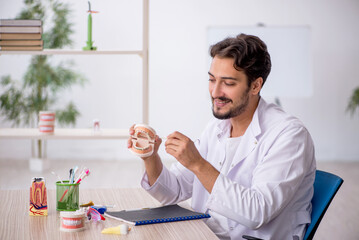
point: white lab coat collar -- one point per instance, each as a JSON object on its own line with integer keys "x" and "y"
{"x": 224, "y": 126}
{"x": 223, "y": 129}
{"x": 249, "y": 139}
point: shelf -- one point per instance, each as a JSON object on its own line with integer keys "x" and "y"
{"x": 143, "y": 53}
{"x": 63, "y": 133}
{"x": 73, "y": 52}
{"x": 28, "y": 133}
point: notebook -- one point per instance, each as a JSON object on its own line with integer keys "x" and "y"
{"x": 170, "y": 213}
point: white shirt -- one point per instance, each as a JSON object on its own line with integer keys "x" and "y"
{"x": 267, "y": 190}
{"x": 217, "y": 222}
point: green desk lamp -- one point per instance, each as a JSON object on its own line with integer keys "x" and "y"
{"x": 89, "y": 42}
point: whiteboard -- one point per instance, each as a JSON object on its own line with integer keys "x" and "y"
{"x": 290, "y": 50}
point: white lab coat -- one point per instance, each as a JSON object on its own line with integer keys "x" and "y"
{"x": 269, "y": 186}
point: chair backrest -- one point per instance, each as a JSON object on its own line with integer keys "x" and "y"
{"x": 326, "y": 186}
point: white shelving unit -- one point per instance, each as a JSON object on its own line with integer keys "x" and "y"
{"x": 118, "y": 133}
{"x": 72, "y": 52}
{"x": 64, "y": 133}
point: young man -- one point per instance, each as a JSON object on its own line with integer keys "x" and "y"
{"x": 253, "y": 168}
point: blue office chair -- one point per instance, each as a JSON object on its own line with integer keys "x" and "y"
{"x": 326, "y": 185}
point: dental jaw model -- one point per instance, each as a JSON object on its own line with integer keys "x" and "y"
{"x": 143, "y": 140}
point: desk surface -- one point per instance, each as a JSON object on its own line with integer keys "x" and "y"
{"x": 17, "y": 224}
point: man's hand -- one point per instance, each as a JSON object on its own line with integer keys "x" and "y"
{"x": 184, "y": 150}
{"x": 153, "y": 163}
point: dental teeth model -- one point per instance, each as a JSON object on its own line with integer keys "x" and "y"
{"x": 72, "y": 221}
{"x": 143, "y": 140}
{"x": 47, "y": 122}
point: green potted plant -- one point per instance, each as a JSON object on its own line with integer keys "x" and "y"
{"x": 353, "y": 104}
{"x": 43, "y": 82}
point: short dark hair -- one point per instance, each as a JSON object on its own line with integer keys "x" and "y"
{"x": 250, "y": 55}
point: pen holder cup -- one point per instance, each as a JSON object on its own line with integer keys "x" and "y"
{"x": 67, "y": 196}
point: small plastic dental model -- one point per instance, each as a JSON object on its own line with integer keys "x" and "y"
{"x": 96, "y": 125}
{"x": 46, "y": 122}
{"x": 143, "y": 140}
{"x": 72, "y": 221}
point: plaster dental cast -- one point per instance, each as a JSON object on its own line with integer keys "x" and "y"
{"x": 253, "y": 167}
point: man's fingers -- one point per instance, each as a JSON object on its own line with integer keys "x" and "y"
{"x": 158, "y": 142}
{"x": 129, "y": 143}
{"x": 173, "y": 141}
{"x": 177, "y": 135}
{"x": 171, "y": 151}
{"x": 132, "y": 130}
{"x": 158, "y": 139}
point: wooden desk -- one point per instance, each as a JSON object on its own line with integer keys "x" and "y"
{"x": 16, "y": 223}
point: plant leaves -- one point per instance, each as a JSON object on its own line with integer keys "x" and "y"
{"x": 42, "y": 82}
{"x": 353, "y": 104}
{"x": 68, "y": 115}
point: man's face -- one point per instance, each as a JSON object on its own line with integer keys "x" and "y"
{"x": 228, "y": 88}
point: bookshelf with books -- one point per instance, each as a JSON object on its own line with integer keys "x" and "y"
{"x": 20, "y": 35}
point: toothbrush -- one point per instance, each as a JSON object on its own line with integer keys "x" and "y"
{"x": 87, "y": 172}
{"x": 84, "y": 174}
{"x": 58, "y": 177}
{"x": 74, "y": 171}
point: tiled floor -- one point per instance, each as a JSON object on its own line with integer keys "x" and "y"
{"x": 340, "y": 222}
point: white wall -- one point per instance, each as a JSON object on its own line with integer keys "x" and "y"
{"x": 178, "y": 69}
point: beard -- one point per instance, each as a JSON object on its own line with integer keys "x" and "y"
{"x": 234, "y": 111}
